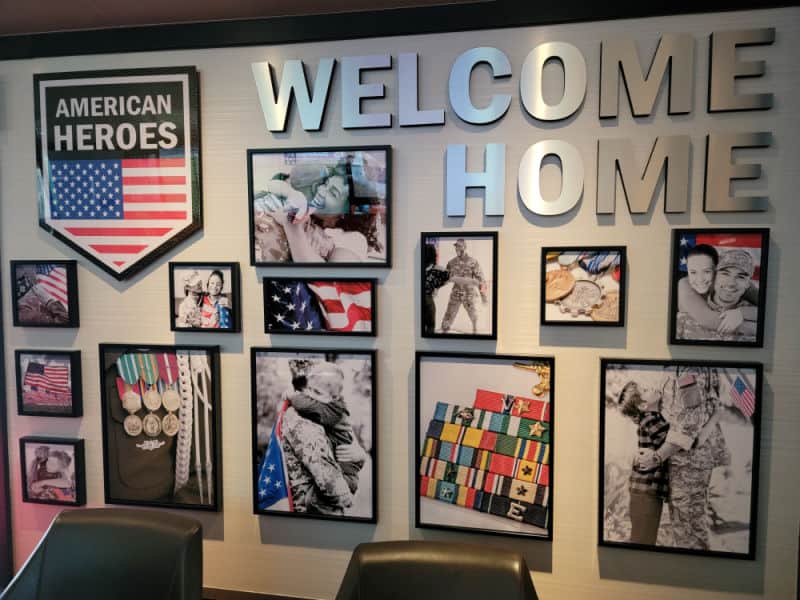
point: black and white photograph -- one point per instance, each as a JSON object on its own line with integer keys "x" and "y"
{"x": 679, "y": 456}
{"x": 320, "y": 306}
{"x": 459, "y": 284}
{"x": 45, "y": 293}
{"x": 205, "y": 297}
{"x": 719, "y": 289}
{"x": 314, "y": 433}
{"x": 582, "y": 285}
{"x": 52, "y": 470}
{"x": 484, "y": 443}
{"x": 318, "y": 206}
{"x": 49, "y": 383}
{"x": 161, "y": 425}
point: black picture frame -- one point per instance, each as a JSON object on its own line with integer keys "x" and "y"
{"x": 428, "y": 289}
{"x": 612, "y": 281}
{"x": 371, "y": 209}
{"x": 660, "y": 381}
{"x": 50, "y": 494}
{"x": 315, "y": 311}
{"x": 362, "y": 364}
{"x": 204, "y": 271}
{"x": 158, "y": 455}
{"x": 745, "y": 246}
{"x": 52, "y": 383}
{"x": 48, "y": 289}
{"x": 473, "y": 480}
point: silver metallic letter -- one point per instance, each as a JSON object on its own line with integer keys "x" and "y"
{"x": 530, "y": 185}
{"x": 720, "y": 171}
{"x": 293, "y": 79}
{"x": 530, "y": 84}
{"x": 724, "y": 69}
{"x": 670, "y": 155}
{"x": 409, "y": 113}
{"x": 493, "y": 179}
{"x": 675, "y": 52}
{"x": 460, "y": 76}
{"x": 353, "y": 91}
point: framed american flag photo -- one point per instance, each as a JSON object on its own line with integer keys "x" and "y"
{"x": 49, "y": 383}
{"x": 45, "y": 293}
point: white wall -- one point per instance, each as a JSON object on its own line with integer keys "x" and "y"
{"x": 307, "y": 558}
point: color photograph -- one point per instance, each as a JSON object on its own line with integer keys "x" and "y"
{"x": 45, "y": 293}
{"x": 49, "y": 383}
{"x": 679, "y": 456}
{"x": 52, "y": 471}
{"x": 205, "y": 297}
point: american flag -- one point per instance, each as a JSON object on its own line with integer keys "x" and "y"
{"x": 743, "y": 397}
{"x": 272, "y": 485}
{"x": 52, "y": 282}
{"x": 119, "y": 208}
{"x": 344, "y": 306}
{"x": 50, "y": 378}
{"x": 751, "y": 242}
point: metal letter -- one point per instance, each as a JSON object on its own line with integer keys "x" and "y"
{"x": 460, "y": 76}
{"x": 353, "y": 91}
{"x": 724, "y": 69}
{"x": 293, "y": 79}
{"x": 529, "y": 180}
{"x": 409, "y": 113}
{"x": 669, "y": 155}
{"x": 675, "y": 52}
{"x": 492, "y": 179}
{"x": 530, "y": 84}
{"x": 720, "y": 171}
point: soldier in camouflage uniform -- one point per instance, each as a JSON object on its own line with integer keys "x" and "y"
{"x": 464, "y": 266}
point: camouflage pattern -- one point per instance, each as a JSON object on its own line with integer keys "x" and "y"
{"x": 688, "y": 505}
{"x": 463, "y": 266}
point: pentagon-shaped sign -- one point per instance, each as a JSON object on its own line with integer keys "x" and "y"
{"x": 118, "y": 162}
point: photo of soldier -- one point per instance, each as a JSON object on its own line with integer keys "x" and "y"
{"x": 45, "y": 293}
{"x": 205, "y": 297}
{"x": 52, "y": 470}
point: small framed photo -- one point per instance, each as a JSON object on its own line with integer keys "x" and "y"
{"x": 583, "y": 285}
{"x": 317, "y": 206}
{"x": 161, "y": 425}
{"x": 49, "y": 383}
{"x": 52, "y": 470}
{"x": 314, "y": 446}
{"x": 45, "y": 293}
{"x": 459, "y": 284}
{"x": 484, "y": 443}
{"x": 320, "y": 306}
{"x": 679, "y": 456}
{"x": 719, "y": 286}
{"x": 205, "y": 297}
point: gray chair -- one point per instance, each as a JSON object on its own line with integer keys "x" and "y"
{"x": 435, "y": 570}
{"x": 110, "y": 553}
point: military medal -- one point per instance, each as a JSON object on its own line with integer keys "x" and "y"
{"x": 608, "y": 310}
{"x": 558, "y": 284}
{"x": 152, "y": 425}
{"x": 567, "y": 259}
{"x": 148, "y": 368}
{"x": 170, "y": 424}
{"x": 131, "y": 402}
{"x": 597, "y": 263}
{"x": 168, "y": 371}
{"x": 585, "y": 296}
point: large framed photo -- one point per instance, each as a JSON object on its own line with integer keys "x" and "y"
{"x": 205, "y": 297}
{"x": 484, "y": 443}
{"x": 317, "y": 206}
{"x": 49, "y": 383}
{"x": 161, "y": 425}
{"x": 459, "y": 284}
{"x": 320, "y": 306}
{"x": 314, "y": 447}
{"x": 719, "y": 286}
{"x": 583, "y": 285}
{"x": 679, "y": 455}
{"x": 52, "y": 470}
{"x": 45, "y": 293}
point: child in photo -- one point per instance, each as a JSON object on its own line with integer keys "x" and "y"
{"x": 189, "y": 314}
{"x": 215, "y": 313}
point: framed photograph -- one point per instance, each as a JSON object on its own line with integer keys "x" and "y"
{"x": 679, "y": 445}
{"x": 52, "y": 470}
{"x": 320, "y": 306}
{"x": 459, "y": 284}
{"x": 49, "y": 383}
{"x": 161, "y": 425}
{"x": 314, "y": 446}
{"x": 317, "y": 206}
{"x": 484, "y": 443}
{"x": 583, "y": 285}
{"x": 45, "y": 293}
{"x": 719, "y": 286}
{"x": 205, "y": 297}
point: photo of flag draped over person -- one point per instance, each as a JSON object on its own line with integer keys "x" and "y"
{"x": 118, "y": 162}
{"x": 320, "y": 306}
{"x": 48, "y": 383}
{"x": 314, "y": 434}
{"x": 484, "y": 443}
{"x": 45, "y": 293}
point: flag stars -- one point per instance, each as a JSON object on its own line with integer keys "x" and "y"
{"x": 271, "y": 467}
{"x": 287, "y": 290}
{"x": 276, "y": 298}
{"x": 295, "y": 326}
